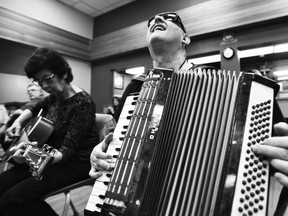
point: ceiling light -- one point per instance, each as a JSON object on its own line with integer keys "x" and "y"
{"x": 256, "y": 52}
{"x": 206, "y": 59}
{"x": 280, "y": 73}
{"x": 282, "y": 78}
{"x": 135, "y": 70}
{"x": 281, "y": 48}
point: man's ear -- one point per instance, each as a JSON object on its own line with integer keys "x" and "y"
{"x": 186, "y": 39}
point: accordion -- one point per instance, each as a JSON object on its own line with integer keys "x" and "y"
{"x": 187, "y": 149}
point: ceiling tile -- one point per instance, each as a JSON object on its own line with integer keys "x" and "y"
{"x": 95, "y": 8}
{"x": 98, "y": 4}
{"x": 120, "y": 3}
{"x": 84, "y": 8}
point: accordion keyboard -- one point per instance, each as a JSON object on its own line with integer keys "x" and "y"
{"x": 97, "y": 195}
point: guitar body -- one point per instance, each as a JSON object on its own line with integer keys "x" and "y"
{"x": 39, "y": 129}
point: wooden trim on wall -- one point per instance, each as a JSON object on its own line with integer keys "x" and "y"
{"x": 25, "y": 30}
{"x": 207, "y": 17}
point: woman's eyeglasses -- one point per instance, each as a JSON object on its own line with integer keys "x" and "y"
{"x": 47, "y": 80}
{"x": 169, "y": 16}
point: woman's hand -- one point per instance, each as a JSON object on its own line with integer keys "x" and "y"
{"x": 19, "y": 151}
{"x": 98, "y": 157}
{"x": 14, "y": 130}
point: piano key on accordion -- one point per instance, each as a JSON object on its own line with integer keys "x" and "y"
{"x": 97, "y": 195}
{"x": 189, "y": 149}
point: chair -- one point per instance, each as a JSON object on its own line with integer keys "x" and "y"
{"x": 105, "y": 124}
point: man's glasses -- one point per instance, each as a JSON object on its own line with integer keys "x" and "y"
{"x": 169, "y": 16}
{"x": 47, "y": 80}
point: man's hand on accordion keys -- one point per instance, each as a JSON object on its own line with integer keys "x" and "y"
{"x": 276, "y": 150}
{"x": 99, "y": 157}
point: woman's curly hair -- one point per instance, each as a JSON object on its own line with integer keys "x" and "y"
{"x": 49, "y": 59}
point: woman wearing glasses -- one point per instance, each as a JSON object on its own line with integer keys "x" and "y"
{"x": 72, "y": 112}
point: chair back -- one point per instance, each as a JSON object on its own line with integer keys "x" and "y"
{"x": 105, "y": 124}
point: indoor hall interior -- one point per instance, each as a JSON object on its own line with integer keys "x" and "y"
{"x": 102, "y": 40}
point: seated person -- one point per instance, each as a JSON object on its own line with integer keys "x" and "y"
{"x": 112, "y": 109}
{"x": 4, "y": 116}
{"x": 275, "y": 148}
{"x": 35, "y": 94}
{"x": 72, "y": 111}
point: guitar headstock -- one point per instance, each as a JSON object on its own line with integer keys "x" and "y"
{"x": 38, "y": 159}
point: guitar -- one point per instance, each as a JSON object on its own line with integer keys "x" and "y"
{"x": 39, "y": 156}
{"x": 39, "y": 159}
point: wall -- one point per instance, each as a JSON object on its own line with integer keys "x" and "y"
{"x": 13, "y": 86}
{"x": 102, "y": 77}
{"x": 199, "y": 19}
{"x": 82, "y": 73}
{"x": 269, "y": 32}
{"x": 13, "y": 55}
{"x": 53, "y": 13}
{"x": 126, "y": 80}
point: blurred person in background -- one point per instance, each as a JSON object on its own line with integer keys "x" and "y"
{"x": 35, "y": 94}
{"x": 113, "y": 109}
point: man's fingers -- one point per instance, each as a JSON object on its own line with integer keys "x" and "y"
{"x": 281, "y": 129}
{"x": 100, "y": 154}
{"x": 95, "y": 173}
{"x": 106, "y": 141}
{"x": 99, "y": 162}
{"x": 98, "y": 157}
{"x": 281, "y": 141}
{"x": 103, "y": 165}
{"x": 271, "y": 151}
{"x": 100, "y": 149}
{"x": 280, "y": 165}
{"x": 283, "y": 179}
